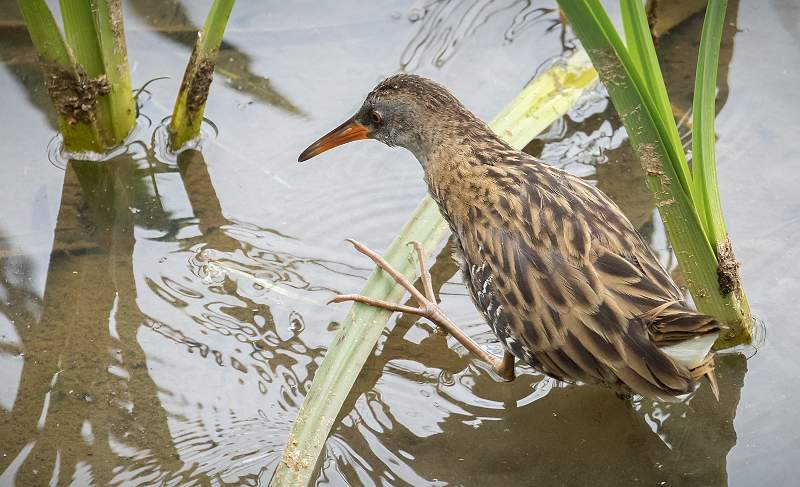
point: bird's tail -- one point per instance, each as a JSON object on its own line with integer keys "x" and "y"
{"x": 695, "y": 354}
{"x": 706, "y": 369}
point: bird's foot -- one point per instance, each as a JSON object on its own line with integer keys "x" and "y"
{"x": 426, "y": 307}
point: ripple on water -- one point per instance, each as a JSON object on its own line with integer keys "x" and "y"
{"x": 216, "y": 446}
{"x": 237, "y": 300}
{"x": 159, "y": 140}
{"x": 446, "y": 25}
{"x": 59, "y": 157}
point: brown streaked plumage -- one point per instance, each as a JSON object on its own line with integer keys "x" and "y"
{"x": 560, "y": 274}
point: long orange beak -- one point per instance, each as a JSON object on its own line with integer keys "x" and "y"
{"x": 349, "y": 131}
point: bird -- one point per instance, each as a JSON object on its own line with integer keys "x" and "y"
{"x": 558, "y": 272}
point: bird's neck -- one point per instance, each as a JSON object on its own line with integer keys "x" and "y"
{"x": 458, "y": 170}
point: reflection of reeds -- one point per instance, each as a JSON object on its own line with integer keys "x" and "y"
{"x": 170, "y": 20}
{"x": 80, "y": 347}
{"x": 446, "y": 25}
{"x": 81, "y": 377}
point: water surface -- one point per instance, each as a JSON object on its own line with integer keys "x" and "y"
{"x": 162, "y": 316}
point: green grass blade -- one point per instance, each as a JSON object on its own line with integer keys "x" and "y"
{"x": 604, "y": 34}
{"x": 631, "y": 42}
{"x": 187, "y": 116}
{"x": 643, "y": 53}
{"x": 704, "y": 166}
{"x": 695, "y": 254}
{"x": 545, "y": 100}
{"x": 44, "y": 32}
{"x": 81, "y": 36}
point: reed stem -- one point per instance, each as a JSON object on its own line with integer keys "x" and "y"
{"x": 187, "y": 116}
{"x": 87, "y": 74}
{"x": 632, "y": 77}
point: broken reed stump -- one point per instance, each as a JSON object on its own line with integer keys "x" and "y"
{"x": 187, "y": 116}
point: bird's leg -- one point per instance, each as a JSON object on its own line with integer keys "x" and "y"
{"x": 427, "y": 308}
{"x": 503, "y": 367}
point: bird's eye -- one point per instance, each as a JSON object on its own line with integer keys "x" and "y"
{"x": 376, "y": 117}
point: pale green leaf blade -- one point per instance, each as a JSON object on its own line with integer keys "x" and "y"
{"x": 704, "y": 109}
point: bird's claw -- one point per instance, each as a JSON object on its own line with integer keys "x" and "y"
{"x": 426, "y": 306}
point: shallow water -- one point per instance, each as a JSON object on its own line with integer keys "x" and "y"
{"x": 161, "y": 317}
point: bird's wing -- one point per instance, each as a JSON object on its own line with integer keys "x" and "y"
{"x": 579, "y": 287}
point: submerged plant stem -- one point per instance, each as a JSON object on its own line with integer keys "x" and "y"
{"x": 187, "y": 115}
{"x": 542, "y": 102}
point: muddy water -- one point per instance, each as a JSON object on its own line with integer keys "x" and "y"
{"x": 162, "y": 316}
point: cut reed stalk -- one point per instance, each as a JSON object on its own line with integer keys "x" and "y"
{"x": 87, "y": 75}
{"x": 62, "y": 77}
{"x": 187, "y": 116}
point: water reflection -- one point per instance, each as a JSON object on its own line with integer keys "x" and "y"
{"x": 446, "y": 25}
{"x": 91, "y": 403}
{"x": 85, "y": 396}
{"x": 677, "y": 53}
{"x": 570, "y": 436}
{"x": 170, "y": 19}
{"x": 247, "y": 317}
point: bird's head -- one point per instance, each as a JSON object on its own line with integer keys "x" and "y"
{"x": 404, "y": 110}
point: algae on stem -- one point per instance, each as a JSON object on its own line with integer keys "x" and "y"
{"x": 86, "y": 75}
{"x": 187, "y": 116}
{"x": 634, "y": 82}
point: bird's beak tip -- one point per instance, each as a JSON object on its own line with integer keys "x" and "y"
{"x": 349, "y": 131}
